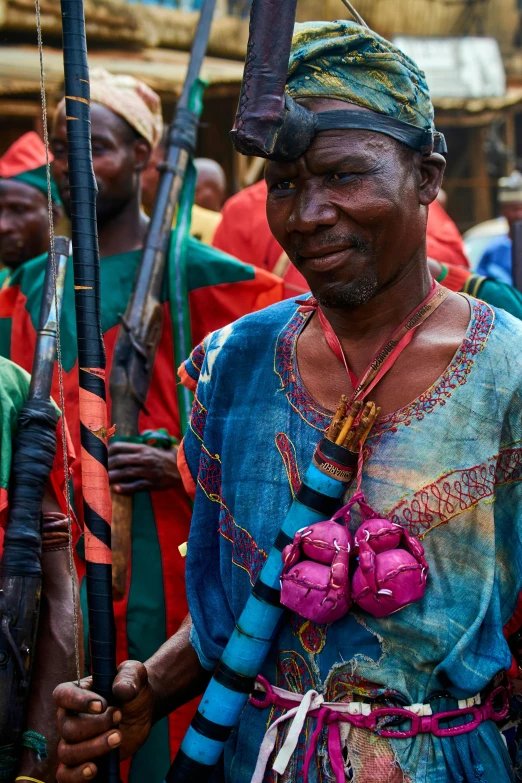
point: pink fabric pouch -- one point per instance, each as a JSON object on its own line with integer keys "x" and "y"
{"x": 317, "y": 587}
{"x": 391, "y": 571}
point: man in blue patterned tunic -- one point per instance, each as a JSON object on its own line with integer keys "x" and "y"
{"x": 444, "y": 460}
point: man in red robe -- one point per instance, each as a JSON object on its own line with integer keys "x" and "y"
{"x": 24, "y": 214}
{"x": 125, "y": 126}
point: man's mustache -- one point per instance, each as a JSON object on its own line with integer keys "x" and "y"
{"x": 321, "y": 247}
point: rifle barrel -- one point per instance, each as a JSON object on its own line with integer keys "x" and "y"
{"x": 181, "y": 145}
{"x": 45, "y": 352}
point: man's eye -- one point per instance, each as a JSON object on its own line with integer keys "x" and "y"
{"x": 285, "y": 185}
{"x": 340, "y": 176}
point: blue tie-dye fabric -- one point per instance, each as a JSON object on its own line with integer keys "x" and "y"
{"x": 447, "y": 467}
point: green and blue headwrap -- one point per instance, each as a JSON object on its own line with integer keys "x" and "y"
{"x": 352, "y": 63}
{"x": 37, "y": 178}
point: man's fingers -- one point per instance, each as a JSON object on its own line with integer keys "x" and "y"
{"x": 76, "y": 774}
{"x": 122, "y": 447}
{"x": 126, "y": 461}
{"x": 127, "y": 473}
{"x": 131, "y": 678}
{"x": 69, "y": 696}
{"x": 78, "y": 728}
{"x": 83, "y": 752}
{"x": 132, "y": 487}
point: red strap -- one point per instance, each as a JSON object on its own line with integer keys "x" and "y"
{"x": 333, "y": 341}
{"x": 390, "y": 351}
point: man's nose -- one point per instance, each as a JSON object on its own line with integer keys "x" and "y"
{"x": 6, "y": 222}
{"x": 311, "y": 210}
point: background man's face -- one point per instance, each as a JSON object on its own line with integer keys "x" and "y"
{"x": 347, "y": 212}
{"x": 210, "y": 185}
{"x": 512, "y": 213}
{"x": 114, "y": 160}
{"x": 24, "y": 223}
{"x": 150, "y": 178}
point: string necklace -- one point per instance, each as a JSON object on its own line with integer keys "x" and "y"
{"x": 389, "y": 351}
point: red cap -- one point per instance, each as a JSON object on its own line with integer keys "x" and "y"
{"x": 27, "y": 153}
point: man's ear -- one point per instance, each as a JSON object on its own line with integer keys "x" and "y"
{"x": 431, "y": 174}
{"x": 142, "y": 152}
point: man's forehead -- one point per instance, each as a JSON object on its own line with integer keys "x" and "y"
{"x": 341, "y": 147}
{"x": 18, "y": 192}
{"x": 104, "y": 122}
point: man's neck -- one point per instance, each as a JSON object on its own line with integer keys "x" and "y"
{"x": 377, "y": 319}
{"x": 124, "y": 232}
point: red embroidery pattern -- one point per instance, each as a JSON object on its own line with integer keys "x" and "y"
{"x": 245, "y": 552}
{"x": 313, "y": 637}
{"x": 197, "y": 357}
{"x": 346, "y": 687}
{"x": 482, "y": 319}
{"x": 287, "y": 451}
{"x": 439, "y": 502}
{"x": 285, "y": 366}
{"x": 293, "y": 673}
{"x": 198, "y": 419}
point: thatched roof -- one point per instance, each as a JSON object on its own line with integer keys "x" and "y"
{"x": 162, "y": 69}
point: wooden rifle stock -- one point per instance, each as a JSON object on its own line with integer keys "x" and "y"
{"x": 20, "y": 570}
{"x": 140, "y": 328}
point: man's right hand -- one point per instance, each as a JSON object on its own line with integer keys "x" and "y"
{"x": 89, "y": 729}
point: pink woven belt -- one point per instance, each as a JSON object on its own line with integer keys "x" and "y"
{"x": 312, "y": 704}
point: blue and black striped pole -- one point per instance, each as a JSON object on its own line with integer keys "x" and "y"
{"x": 227, "y": 693}
{"x": 97, "y": 507}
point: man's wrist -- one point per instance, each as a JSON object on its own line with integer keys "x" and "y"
{"x": 175, "y": 673}
{"x": 155, "y": 688}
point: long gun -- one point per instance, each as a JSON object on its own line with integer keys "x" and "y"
{"x": 141, "y": 326}
{"x": 20, "y": 568}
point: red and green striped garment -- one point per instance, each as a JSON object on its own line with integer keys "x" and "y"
{"x": 221, "y": 290}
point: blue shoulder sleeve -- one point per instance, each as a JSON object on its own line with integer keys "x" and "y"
{"x": 212, "y": 616}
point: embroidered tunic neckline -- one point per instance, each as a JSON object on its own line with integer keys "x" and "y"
{"x": 456, "y": 373}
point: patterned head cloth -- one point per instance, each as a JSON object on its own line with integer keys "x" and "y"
{"x": 129, "y": 98}
{"x": 24, "y": 161}
{"x": 352, "y": 63}
{"x": 510, "y": 188}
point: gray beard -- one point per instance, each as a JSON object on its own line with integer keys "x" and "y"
{"x": 350, "y": 296}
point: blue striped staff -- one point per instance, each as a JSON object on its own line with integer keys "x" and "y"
{"x": 332, "y": 468}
